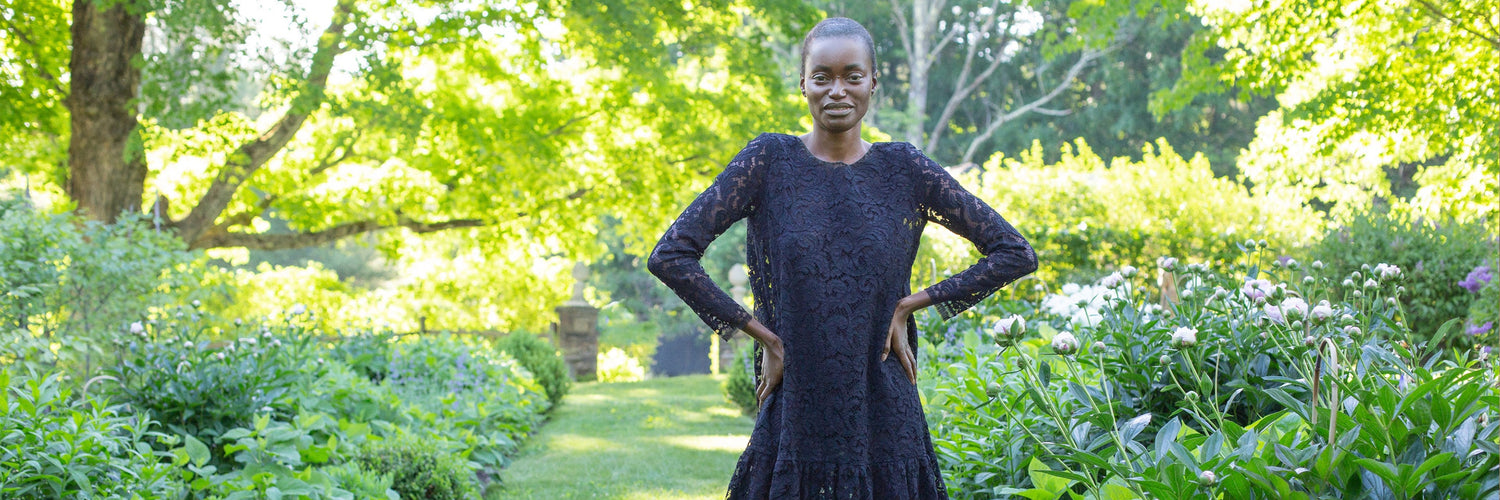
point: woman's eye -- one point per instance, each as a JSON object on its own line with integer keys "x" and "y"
{"x": 856, "y": 78}
{"x": 820, "y": 78}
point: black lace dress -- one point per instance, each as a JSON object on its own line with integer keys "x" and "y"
{"x": 830, "y": 249}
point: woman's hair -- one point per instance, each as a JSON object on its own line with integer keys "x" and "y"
{"x": 837, "y": 27}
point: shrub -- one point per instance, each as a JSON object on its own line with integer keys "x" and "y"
{"x": 1434, "y": 256}
{"x": 615, "y": 365}
{"x": 1086, "y": 215}
{"x": 540, "y": 358}
{"x": 1245, "y": 389}
{"x": 739, "y": 386}
{"x": 274, "y": 459}
{"x": 1484, "y": 311}
{"x": 419, "y": 469}
{"x": 362, "y": 483}
{"x": 55, "y": 446}
{"x": 77, "y": 284}
{"x": 176, "y": 375}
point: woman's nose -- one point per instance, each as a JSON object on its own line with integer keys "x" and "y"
{"x": 838, "y": 91}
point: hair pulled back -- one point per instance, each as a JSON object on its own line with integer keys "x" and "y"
{"x": 837, "y": 27}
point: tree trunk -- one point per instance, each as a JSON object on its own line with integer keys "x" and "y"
{"x": 919, "y": 56}
{"x": 106, "y": 160}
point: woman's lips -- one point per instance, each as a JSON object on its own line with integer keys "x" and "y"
{"x": 838, "y": 110}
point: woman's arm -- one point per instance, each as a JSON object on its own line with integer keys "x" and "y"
{"x": 734, "y": 195}
{"x": 1007, "y": 255}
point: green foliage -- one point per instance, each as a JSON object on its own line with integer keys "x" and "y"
{"x": 1110, "y": 106}
{"x": 1365, "y": 87}
{"x": 1086, "y": 216}
{"x": 616, "y": 365}
{"x": 59, "y": 446}
{"x": 78, "y": 284}
{"x": 739, "y": 386}
{"x": 419, "y": 469}
{"x": 541, "y": 359}
{"x": 363, "y": 483}
{"x": 175, "y": 373}
{"x": 1286, "y": 388}
{"x": 273, "y": 459}
{"x": 1434, "y": 255}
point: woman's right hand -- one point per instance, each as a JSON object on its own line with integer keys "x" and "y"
{"x": 772, "y": 359}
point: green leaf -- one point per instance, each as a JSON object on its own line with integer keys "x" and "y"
{"x": 1038, "y": 472}
{"x": 1134, "y": 426}
{"x": 1387, "y": 472}
{"x": 196, "y": 450}
{"x": 1167, "y": 435}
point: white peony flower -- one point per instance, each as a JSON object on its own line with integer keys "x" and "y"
{"x": 1292, "y": 308}
{"x": 1112, "y": 281}
{"x": 1370, "y": 283}
{"x": 1322, "y": 312}
{"x": 1387, "y": 271}
{"x": 1129, "y": 271}
{"x": 1166, "y": 263}
{"x": 1084, "y": 318}
{"x": 1257, "y": 290}
{"x": 1009, "y": 328}
{"x": 137, "y": 328}
{"x": 1184, "y": 337}
{"x": 298, "y": 309}
{"x": 1064, "y": 343}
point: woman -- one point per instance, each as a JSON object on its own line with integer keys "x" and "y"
{"x": 834, "y": 225}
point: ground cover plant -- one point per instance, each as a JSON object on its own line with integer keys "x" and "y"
{"x": 1261, "y": 380}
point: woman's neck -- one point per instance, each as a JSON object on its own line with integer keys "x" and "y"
{"x": 840, "y": 147}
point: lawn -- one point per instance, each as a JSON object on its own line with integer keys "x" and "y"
{"x": 667, "y": 438}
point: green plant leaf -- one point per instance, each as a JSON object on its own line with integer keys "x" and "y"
{"x": 196, "y": 450}
{"x": 1134, "y": 426}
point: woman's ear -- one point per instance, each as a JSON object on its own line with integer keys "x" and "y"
{"x": 802, "y": 85}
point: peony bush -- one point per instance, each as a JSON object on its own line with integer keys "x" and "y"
{"x": 1268, "y": 379}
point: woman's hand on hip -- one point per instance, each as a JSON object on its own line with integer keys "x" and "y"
{"x": 772, "y": 359}
{"x": 896, "y": 339}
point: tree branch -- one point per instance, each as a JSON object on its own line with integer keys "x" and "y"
{"x": 1088, "y": 56}
{"x": 262, "y": 241}
{"x": 965, "y": 86}
{"x": 47, "y": 75}
{"x": 1438, "y": 12}
{"x": 249, "y": 157}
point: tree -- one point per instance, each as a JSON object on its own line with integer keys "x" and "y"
{"x": 1111, "y": 111}
{"x": 510, "y": 120}
{"x": 968, "y": 69}
{"x": 1365, "y": 87}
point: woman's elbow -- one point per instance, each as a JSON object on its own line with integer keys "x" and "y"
{"x": 657, "y": 263}
{"x": 1027, "y": 259}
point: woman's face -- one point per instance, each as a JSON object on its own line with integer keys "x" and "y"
{"x": 838, "y": 80}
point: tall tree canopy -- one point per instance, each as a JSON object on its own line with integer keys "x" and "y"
{"x": 1365, "y": 86}
{"x": 511, "y": 119}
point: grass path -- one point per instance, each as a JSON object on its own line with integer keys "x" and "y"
{"x": 666, "y": 438}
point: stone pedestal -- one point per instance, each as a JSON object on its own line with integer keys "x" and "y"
{"x": 578, "y": 330}
{"x": 578, "y": 337}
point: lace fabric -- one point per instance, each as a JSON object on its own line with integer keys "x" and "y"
{"x": 830, "y": 248}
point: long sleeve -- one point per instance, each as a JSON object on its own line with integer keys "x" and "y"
{"x": 1007, "y": 255}
{"x": 734, "y": 195}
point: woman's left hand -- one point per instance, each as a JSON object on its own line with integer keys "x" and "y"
{"x": 895, "y": 343}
